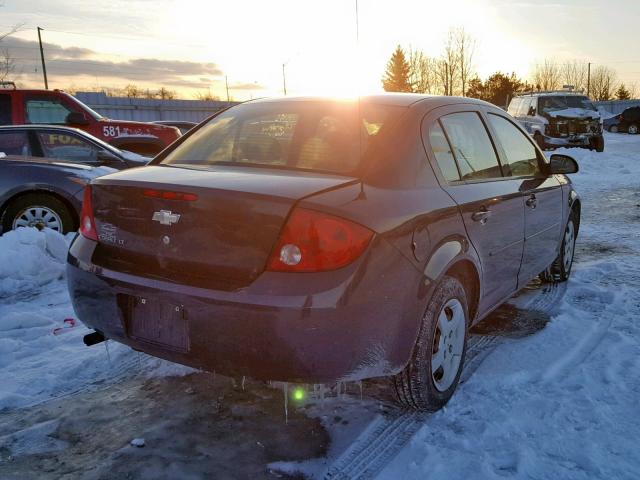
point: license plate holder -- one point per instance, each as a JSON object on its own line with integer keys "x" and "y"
{"x": 159, "y": 323}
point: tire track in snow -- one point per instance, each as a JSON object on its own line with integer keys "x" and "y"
{"x": 387, "y": 435}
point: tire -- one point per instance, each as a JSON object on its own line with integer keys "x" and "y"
{"x": 613, "y": 129}
{"x": 417, "y": 387}
{"x": 632, "y": 129}
{"x": 38, "y": 210}
{"x": 560, "y": 269}
{"x": 598, "y": 143}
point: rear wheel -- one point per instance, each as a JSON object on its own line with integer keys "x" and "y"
{"x": 39, "y": 211}
{"x": 632, "y": 129}
{"x": 432, "y": 374}
{"x": 598, "y": 143}
{"x": 613, "y": 129}
{"x": 560, "y": 269}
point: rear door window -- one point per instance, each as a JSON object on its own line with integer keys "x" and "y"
{"x": 521, "y": 156}
{"x": 442, "y": 151}
{"x": 15, "y": 143}
{"x": 5, "y": 109}
{"x": 67, "y": 146}
{"x": 472, "y": 147}
{"x": 48, "y": 110}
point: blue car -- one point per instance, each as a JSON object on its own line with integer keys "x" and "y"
{"x": 68, "y": 144}
{"x": 40, "y": 192}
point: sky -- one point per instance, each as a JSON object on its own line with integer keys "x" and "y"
{"x": 192, "y": 46}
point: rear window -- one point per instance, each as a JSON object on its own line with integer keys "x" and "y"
{"x": 323, "y": 136}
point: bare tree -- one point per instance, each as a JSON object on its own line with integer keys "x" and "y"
{"x": 465, "y": 46}
{"x": 449, "y": 66}
{"x": 207, "y": 96}
{"x": 575, "y": 73}
{"x": 166, "y": 94}
{"x": 132, "y": 91}
{"x": 546, "y": 75}
{"x": 603, "y": 83}
{"x": 7, "y": 64}
{"x": 422, "y": 72}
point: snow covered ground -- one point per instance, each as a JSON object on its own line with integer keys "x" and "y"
{"x": 562, "y": 402}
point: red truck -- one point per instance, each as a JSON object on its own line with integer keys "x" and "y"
{"x": 55, "y": 107}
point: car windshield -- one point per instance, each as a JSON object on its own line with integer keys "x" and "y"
{"x": 553, "y": 103}
{"x": 329, "y": 136}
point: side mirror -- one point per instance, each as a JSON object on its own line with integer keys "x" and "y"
{"x": 532, "y": 111}
{"x": 562, "y": 164}
{"x": 76, "y": 118}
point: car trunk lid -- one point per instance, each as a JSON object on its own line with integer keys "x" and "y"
{"x": 220, "y": 237}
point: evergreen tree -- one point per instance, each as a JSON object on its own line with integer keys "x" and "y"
{"x": 396, "y": 76}
{"x": 497, "y": 89}
{"x": 622, "y": 93}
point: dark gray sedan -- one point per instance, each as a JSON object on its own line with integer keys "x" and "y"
{"x": 67, "y": 144}
{"x": 40, "y": 192}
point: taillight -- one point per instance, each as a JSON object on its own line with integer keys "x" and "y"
{"x": 87, "y": 222}
{"x": 313, "y": 242}
{"x": 165, "y": 195}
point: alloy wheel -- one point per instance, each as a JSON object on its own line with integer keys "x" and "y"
{"x": 448, "y": 344}
{"x": 569, "y": 245}
{"x": 39, "y": 217}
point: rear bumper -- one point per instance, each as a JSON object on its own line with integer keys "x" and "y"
{"x": 357, "y": 322}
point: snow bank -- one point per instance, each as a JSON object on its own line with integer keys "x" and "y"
{"x": 30, "y": 258}
{"x": 41, "y": 355}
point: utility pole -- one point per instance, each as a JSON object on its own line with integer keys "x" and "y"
{"x": 44, "y": 68}
{"x": 588, "y": 78}
{"x": 284, "y": 80}
{"x": 226, "y": 83}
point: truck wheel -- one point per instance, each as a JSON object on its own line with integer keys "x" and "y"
{"x": 598, "y": 143}
{"x": 560, "y": 269}
{"x": 431, "y": 376}
{"x": 40, "y": 211}
{"x": 613, "y": 129}
{"x": 632, "y": 129}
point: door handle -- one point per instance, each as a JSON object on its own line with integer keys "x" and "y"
{"x": 481, "y": 216}
{"x": 532, "y": 201}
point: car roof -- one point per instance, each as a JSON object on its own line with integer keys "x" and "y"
{"x": 550, "y": 94}
{"x": 32, "y": 90}
{"x": 40, "y": 126}
{"x": 388, "y": 98}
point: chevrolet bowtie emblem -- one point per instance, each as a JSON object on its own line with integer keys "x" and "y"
{"x": 165, "y": 217}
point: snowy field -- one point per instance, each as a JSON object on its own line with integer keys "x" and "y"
{"x": 560, "y": 400}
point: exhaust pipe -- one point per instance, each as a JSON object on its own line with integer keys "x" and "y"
{"x": 93, "y": 339}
